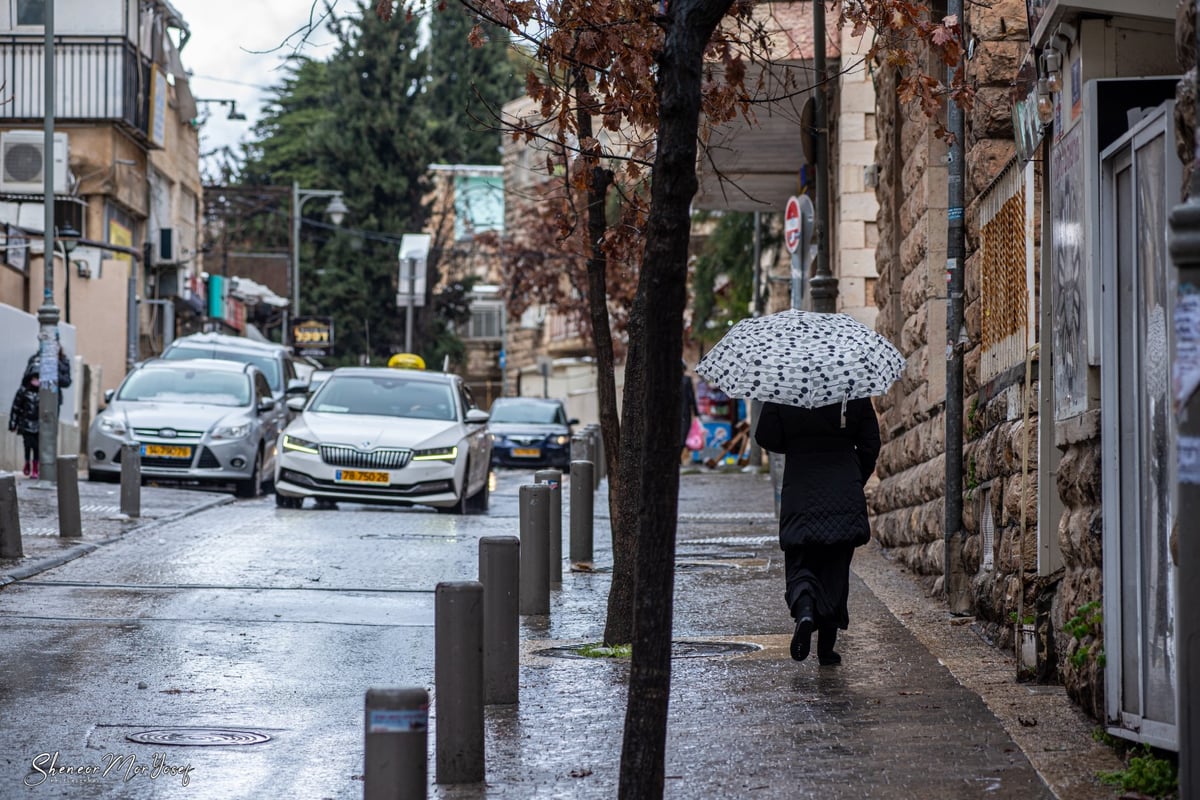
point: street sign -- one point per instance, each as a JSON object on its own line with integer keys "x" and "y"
{"x": 792, "y": 224}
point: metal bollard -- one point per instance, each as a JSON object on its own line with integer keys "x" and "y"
{"x": 69, "y": 522}
{"x": 583, "y": 501}
{"x": 553, "y": 479}
{"x": 10, "y": 519}
{"x": 581, "y": 447}
{"x": 596, "y": 450}
{"x": 534, "y": 507}
{"x": 395, "y": 761}
{"x": 458, "y": 680}
{"x": 499, "y": 572}
{"x": 131, "y": 480}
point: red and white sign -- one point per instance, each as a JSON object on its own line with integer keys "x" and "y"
{"x": 792, "y": 224}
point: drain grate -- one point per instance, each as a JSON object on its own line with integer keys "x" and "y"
{"x": 689, "y": 565}
{"x": 749, "y": 517}
{"x": 679, "y": 649}
{"x": 735, "y": 541}
{"x": 199, "y": 737}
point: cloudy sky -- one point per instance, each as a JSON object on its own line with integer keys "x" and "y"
{"x": 235, "y": 52}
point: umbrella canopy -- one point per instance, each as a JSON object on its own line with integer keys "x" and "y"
{"x": 802, "y": 358}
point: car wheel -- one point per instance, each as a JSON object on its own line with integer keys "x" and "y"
{"x": 460, "y": 505}
{"x": 252, "y": 486}
{"x": 478, "y": 503}
{"x": 287, "y": 501}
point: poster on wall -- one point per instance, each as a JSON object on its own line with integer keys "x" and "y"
{"x": 1069, "y": 286}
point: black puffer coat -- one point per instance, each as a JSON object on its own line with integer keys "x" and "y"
{"x": 822, "y": 500}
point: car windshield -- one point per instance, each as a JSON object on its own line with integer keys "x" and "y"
{"x": 264, "y": 361}
{"x": 537, "y": 413}
{"x": 186, "y": 386}
{"x": 384, "y": 397}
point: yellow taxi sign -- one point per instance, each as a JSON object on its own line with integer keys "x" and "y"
{"x": 406, "y": 361}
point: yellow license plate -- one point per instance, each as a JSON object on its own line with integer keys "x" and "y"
{"x": 528, "y": 452}
{"x": 358, "y": 476}
{"x": 166, "y": 450}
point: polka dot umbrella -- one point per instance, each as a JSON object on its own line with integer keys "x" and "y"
{"x": 802, "y": 358}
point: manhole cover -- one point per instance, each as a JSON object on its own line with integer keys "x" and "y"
{"x": 198, "y": 737}
{"x": 679, "y": 649}
{"x": 694, "y": 565}
{"x": 706, "y": 555}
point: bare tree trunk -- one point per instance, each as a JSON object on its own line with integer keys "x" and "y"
{"x": 618, "y": 628}
{"x": 654, "y": 453}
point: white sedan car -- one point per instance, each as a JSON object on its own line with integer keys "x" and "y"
{"x": 382, "y": 435}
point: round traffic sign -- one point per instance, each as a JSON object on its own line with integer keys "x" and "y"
{"x": 792, "y": 224}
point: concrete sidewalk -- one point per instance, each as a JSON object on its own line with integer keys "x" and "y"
{"x": 921, "y": 706}
{"x": 101, "y": 517}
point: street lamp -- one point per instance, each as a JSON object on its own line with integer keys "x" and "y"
{"x": 68, "y": 237}
{"x": 337, "y": 212}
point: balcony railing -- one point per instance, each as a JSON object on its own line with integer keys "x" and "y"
{"x": 96, "y": 78}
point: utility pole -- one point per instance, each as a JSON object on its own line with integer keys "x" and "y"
{"x": 953, "y": 579}
{"x": 824, "y": 285}
{"x": 48, "y": 345}
{"x": 1185, "y": 252}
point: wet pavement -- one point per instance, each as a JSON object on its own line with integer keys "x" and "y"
{"x": 244, "y": 617}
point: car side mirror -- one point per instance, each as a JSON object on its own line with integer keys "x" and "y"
{"x": 572, "y": 421}
{"x": 108, "y": 395}
{"x": 266, "y": 404}
{"x": 297, "y": 386}
{"x": 477, "y": 416}
{"x": 296, "y": 403}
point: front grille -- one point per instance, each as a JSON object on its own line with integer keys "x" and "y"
{"x": 158, "y": 462}
{"x": 342, "y": 456}
{"x": 153, "y": 433}
{"x": 525, "y": 440}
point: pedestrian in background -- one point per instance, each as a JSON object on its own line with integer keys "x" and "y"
{"x": 23, "y": 420}
{"x": 33, "y": 366}
{"x": 830, "y": 453}
{"x": 688, "y": 411}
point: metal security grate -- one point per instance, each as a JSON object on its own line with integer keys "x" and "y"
{"x": 341, "y": 456}
{"x": 1006, "y": 275}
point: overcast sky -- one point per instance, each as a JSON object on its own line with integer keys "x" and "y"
{"x": 234, "y": 53}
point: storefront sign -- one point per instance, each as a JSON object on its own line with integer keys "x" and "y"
{"x": 313, "y": 335}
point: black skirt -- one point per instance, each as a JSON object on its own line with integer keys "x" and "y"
{"x": 823, "y": 572}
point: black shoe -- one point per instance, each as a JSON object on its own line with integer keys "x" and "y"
{"x": 802, "y": 638}
{"x": 826, "y": 656}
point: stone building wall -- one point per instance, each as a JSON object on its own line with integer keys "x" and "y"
{"x": 1000, "y": 425}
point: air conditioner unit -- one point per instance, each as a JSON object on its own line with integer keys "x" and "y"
{"x": 23, "y": 162}
{"x": 168, "y": 246}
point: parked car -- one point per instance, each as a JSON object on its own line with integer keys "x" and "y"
{"x": 530, "y": 432}
{"x": 196, "y": 420}
{"x": 315, "y": 380}
{"x": 382, "y": 435}
{"x": 275, "y": 360}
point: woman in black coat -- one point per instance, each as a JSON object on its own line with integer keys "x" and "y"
{"x": 831, "y": 453}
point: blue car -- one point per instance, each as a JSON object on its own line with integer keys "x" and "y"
{"x": 530, "y": 432}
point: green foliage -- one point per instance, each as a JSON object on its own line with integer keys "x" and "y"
{"x": 972, "y": 475}
{"x": 467, "y": 86}
{"x": 1029, "y": 618}
{"x": 600, "y": 651}
{"x": 1146, "y": 774}
{"x": 726, "y": 257}
{"x": 368, "y": 122}
{"x": 1086, "y": 627}
{"x": 974, "y": 416}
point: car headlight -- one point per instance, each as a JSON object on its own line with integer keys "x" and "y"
{"x": 237, "y": 431}
{"x": 112, "y": 425}
{"x": 562, "y": 440}
{"x": 291, "y": 442}
{"x": 436, "y": 454}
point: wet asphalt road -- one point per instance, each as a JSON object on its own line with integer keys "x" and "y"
{"x": 258, "y": 621}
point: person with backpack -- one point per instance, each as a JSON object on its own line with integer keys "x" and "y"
{"x": 23, "y": 420}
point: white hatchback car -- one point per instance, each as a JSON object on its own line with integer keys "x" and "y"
{"x": 382, "y": 435}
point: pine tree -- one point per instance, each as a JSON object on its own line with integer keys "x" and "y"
{"x": 468, "y": 85}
